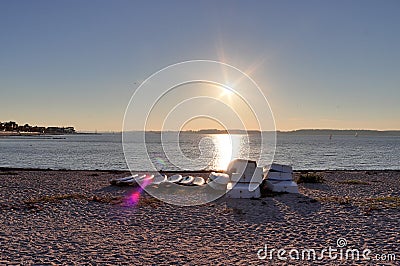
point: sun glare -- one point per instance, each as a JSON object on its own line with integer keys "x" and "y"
{"x": 227, "y": 148}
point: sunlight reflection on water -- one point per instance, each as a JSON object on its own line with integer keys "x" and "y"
{"x": 227, "y": 147}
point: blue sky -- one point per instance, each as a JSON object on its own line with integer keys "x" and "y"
{"x": 321, "y": 64}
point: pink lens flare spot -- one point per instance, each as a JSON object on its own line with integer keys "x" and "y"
{"x": 133, "y": 199}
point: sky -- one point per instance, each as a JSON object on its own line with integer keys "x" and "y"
{"x": 320, "y": 64}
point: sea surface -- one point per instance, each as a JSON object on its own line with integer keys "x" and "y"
{"x": 198, "y": 151}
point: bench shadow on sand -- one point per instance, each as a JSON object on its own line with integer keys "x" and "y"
{"x": 272, "y": 208}
{"x": 318, "y": 186}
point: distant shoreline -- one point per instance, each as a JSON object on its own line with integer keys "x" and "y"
{"x": 299, "y": 132}
{"x": 14, "y": 133}
{"x": 31, "y": 134}
{"x": 333, "y": 132}
{"x": 10, "y": 169}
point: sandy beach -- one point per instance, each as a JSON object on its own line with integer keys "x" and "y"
{"x": 76, "y": 217}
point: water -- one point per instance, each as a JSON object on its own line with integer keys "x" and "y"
{"x": 105, "y": 151}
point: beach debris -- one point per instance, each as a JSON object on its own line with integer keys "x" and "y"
{"x": 279, "y": 178}
{"x": 198, "y": 181}
{"x": 218, "y": 181}
{"x": 174, "y": 178}
{"x": 280, "y": 168}
{"x": 151, "y": 179}
{"x": 123, "y": 180}
{"x": 243, "y": 191}
{"x": 159, "y": 179}
{"x": 245, "y": 179}
{"x": 187, "y": 180}
{"x": 312, "y": 178}
{"x": 133, "y": 180}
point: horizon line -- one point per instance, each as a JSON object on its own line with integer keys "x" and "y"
{"x": 242, "y": 130}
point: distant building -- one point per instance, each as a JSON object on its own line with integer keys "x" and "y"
{"x": 13, "y": 126}
{"x": 60, "y": 130}
{"x": 69, "y": 130}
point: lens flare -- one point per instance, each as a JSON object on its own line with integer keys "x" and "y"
{"x": 133, "y": 198}
{"x": 159, "y": 163}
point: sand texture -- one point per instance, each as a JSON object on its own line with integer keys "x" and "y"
{"x": 76, "y": 217}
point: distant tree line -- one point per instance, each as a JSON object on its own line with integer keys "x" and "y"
{"x": 334, "y": 132}
{"x": 14, "y": 127}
